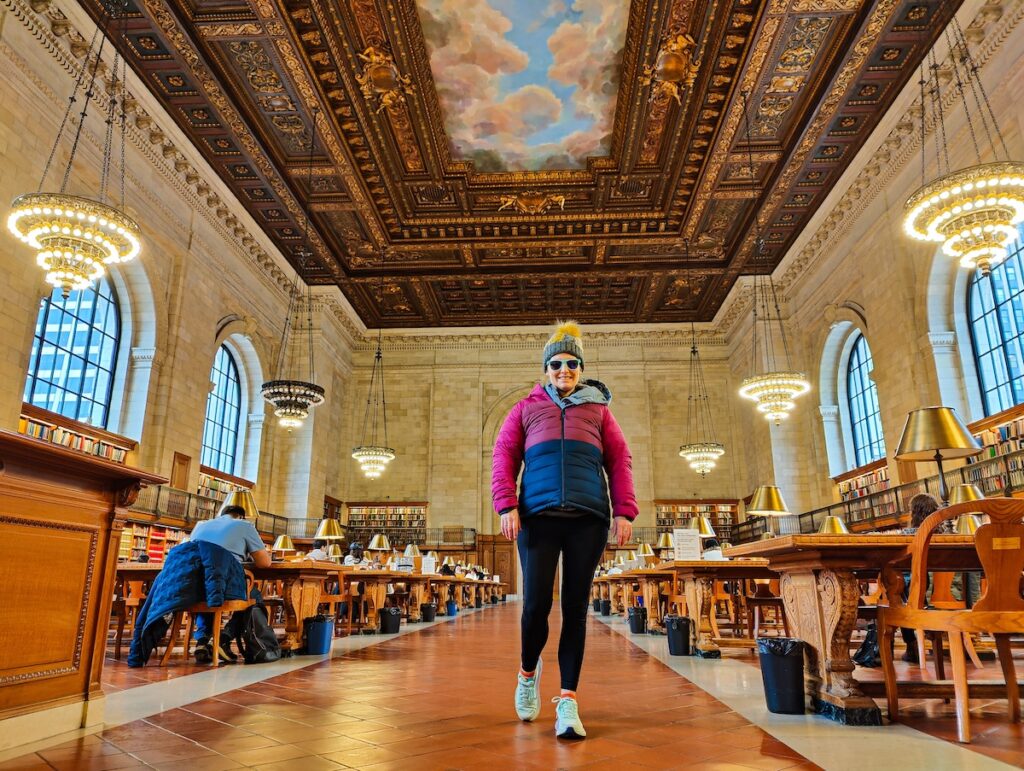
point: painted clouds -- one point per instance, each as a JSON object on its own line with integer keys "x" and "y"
{"x": 525, "y": 84}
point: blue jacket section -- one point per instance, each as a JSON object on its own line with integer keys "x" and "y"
{"x": 194, "y": 572}
{"x": 567, "y": 472}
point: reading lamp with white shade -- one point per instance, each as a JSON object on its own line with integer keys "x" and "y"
{"x": 938, "y": 434}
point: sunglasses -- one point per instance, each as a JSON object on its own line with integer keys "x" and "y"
{"x": 556, "y": 364}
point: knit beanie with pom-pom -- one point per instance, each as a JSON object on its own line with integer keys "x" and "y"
{"x": 565, "y": 340}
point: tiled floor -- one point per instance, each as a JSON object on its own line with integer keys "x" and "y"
{"x": 440, "y": 698}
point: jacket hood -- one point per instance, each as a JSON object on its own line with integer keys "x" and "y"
{"x": 587, "y": 392}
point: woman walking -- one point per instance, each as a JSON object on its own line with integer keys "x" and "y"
{"x": 569, "y": 441}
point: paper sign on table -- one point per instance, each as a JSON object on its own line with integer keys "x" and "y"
{"x": 687, "y": 544}
{"x": 428, "y": 565}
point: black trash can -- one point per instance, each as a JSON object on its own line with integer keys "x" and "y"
{"x": 638, "y": 620}
{"x": 494, "y": 599}
{"x": 428, "y": 611}
{"x": 597, "y": 605}
{"x": 606, "y": 607}
{"x": 390, "y": 620}
{"x": 782, "y": 670}
{"x": 678, "y": 630}
{"x": 479, "y": 601}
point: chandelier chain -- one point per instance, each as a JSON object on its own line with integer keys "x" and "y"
{"x": 941, "y": 147}
{"x": 305, "y": 240}
{"x": 89, "y": 92}
{"x": 108, "y": 136}
{"x": 922, "y": 82}
{"x": 963, "y": 95}
{"x": 974, "y": 81}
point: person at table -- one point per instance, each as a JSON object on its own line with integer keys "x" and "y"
{"x": 319, "y": 551}
{"x": 355, "y": 555}
{"x": 232, "y": 531}
{"x": 575, "y": 455}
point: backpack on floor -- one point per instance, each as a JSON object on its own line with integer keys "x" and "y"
{"x": 867, "y": 654}
{"x": 258, "y": 642}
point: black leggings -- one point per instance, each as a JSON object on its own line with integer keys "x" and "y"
{"x": 581, "y": 542}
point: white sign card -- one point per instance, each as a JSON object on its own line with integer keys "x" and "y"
{"x": 687, "y": 544}
{"x": 428, "y": 565}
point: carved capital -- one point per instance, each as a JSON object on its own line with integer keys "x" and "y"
{"x": 142, "y": 357}
{"x": 128, "y": 494}
{"x": 829, "y": 413}
{"x": 942, "y": 342}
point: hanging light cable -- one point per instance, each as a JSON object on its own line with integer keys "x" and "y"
{"x": 292, "y": 399}
{"x": 76, "y": 237}
{"x": 973, "y": 212}
{"x": 373, "y": 453}
{"x": 701, "y": 450}
{"x": 773, "y": 389}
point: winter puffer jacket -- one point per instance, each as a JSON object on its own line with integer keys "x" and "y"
{"x": 567, "y": 445}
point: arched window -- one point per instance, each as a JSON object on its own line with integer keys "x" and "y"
{"x": 74, "y": 353}
{"x": 223, "y": 409}
{"x": 995, "y": 307}
{"x": 862, "y": 396}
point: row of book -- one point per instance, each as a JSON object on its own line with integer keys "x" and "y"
{"x": 72, "y": 440}
{"x": 865, "y": 484}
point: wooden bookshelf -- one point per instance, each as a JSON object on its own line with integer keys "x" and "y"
{"x": 53, "y": 427}
{"x": 669, "y": 515}
{"x": 216, "y": 484}
{"x": 402, "y": 523}
{"x": 332, "y": 508}
{"x": 152, "y": 540}
{"x": 863, "y": 481}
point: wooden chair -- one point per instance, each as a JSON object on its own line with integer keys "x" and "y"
{"x": 127, "y": 600}
{"x": 765, "y": 597}
{"x": 229, "y": 606}
{"x": 999, "y": 610}
{"x": 354, "y": 597}
{"x": 335, "y": 598}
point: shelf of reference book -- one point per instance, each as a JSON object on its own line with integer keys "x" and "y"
{"x": 53, "y": 427}
{"x": 863, "y": 481}
{"x": 218, "y": 484}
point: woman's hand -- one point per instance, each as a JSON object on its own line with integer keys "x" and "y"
{"x": 622, "y": 528}
{"x": 510, "y": 524}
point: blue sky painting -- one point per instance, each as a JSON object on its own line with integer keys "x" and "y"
{"x": 526, "y": 85}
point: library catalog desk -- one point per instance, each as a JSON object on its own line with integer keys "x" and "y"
{"x": 58, "y": 549}
{"x": 818, "y": 578}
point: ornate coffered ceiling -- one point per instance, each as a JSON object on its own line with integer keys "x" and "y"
{"x": 605, "y": 241}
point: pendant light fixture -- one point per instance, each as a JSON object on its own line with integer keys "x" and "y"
{"x": 76, "y": 237}
{"x": 701, "y": 450}
{"x": 973, "y": 212}
{"x": 373, "y": 453}
{"x": 292, "y": 399}
{"x": 773, "y": 388}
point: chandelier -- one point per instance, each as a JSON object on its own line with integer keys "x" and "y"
{"x": 772, "y": 388}
{"x": 972, "y": 212}
{"x": 700, "y": 450}
{"x": 76, "y": 237}
{"x": 292, "y": 399}
{"x": 373, "y": 454}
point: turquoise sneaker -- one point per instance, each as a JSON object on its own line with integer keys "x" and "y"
{"x": 567, "y": 719}
{"x": 528, "y": 695}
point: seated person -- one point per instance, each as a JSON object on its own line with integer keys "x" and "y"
{"x": 447, "y": 570}
{"x": 319, "y": 551}
{"x": 712, "y": 550}
{"x": 355, "y": 555}
{"x": 232, "y": 532}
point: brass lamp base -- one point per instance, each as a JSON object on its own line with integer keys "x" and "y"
{"x": 833, "y": 525}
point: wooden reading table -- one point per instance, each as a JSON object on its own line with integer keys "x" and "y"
{"x": 820, "y": 591}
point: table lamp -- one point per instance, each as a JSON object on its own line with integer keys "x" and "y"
{"x": 329, "y": 530}
{"x": 646, "y": 553}
{"x": 379, "y": 542}
{"x": 767, "y": 502}
{"x": 966, "y": 524}
{"x": 334, "y": 552}
{"x": 833, "y": 524}
{"x": 936, "y": 433}
{"x": 241, "y": 498}
{"x": 282, "y": 544}
{"x": 702, "y": 525}
{"x": 666, "y": 546}
{"x": 412, "y": 551}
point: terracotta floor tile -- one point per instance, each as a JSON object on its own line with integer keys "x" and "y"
{"x": 227, "y": 746}
{"x": 755, "y": 759}
{"x": 364, "y": 756}
{"x": 301, "y": 764}
{"x": 273, "y": 754}
{"x": 210, "y": 763}
{"x": 172, "y": 753}
{"x": 26, "y": 763}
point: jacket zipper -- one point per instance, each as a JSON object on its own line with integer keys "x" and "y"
{"x": 563, "y": 457}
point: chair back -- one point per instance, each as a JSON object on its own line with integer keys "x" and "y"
{"x": 999, "y": 550}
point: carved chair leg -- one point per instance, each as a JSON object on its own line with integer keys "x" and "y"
{"x": 971, "y": 653}
{"x": 216, "y": 639}
{"x": 886, "y": 638}
{"x": 937, "y": 655}
{"x": 1010, "y": 673}
{"x": 922, "y": 659}
{"x": 187, "y": 642}
{"x": 963, "y": 705}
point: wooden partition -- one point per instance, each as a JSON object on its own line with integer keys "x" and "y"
{"x": 58, "y": 552}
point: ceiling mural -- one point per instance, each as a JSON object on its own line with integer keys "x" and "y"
{"x": 526, "y": 84}
{"x": 491, "y": 162}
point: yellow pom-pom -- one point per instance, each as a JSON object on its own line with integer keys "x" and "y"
{"x": 565, "y": 329}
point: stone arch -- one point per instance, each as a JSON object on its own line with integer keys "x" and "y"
{"x": 949, "y": 337}
{"x": 236, "y": 333}
{"x": 847, "y": 322}
{"x": 137, "y": 352}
